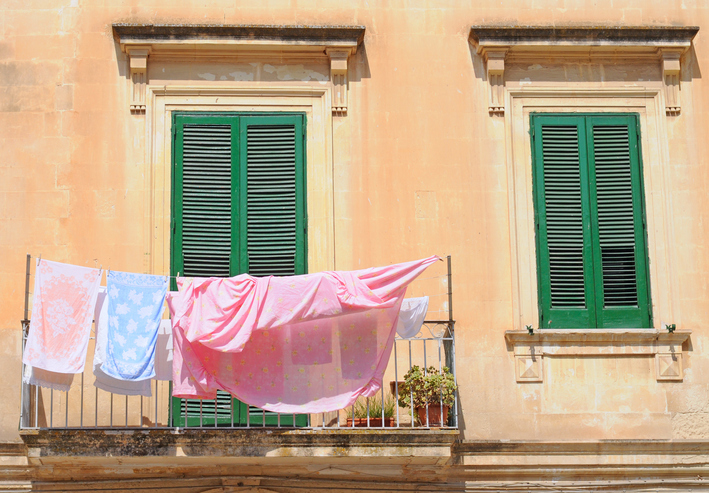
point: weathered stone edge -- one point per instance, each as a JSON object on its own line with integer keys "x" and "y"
{"x": 551, "y": 34}
{"x": 180, "y": 32}
{"x": 250, "y": 442}
{"x": 601, "y": 447}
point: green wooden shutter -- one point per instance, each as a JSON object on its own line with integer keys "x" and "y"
{"x": 273, "y": 229}
{"x": 237, "y": 208}
{"x": 620, "y": 251}
{"x": 562, "y": 216}
{"x": 592, "y": 258}
{"x": 273, "y": 232}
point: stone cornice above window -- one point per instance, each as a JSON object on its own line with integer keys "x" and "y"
{"x": 225, "y": 42}
{"x": 498, "y": 44}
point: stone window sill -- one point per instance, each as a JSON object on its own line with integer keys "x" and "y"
{"x": 529, "y": 350}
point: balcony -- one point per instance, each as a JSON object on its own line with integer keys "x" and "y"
{"x": 90, "y": 426}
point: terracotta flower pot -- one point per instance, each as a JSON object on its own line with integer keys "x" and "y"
{"x": 373, "y": 422}
{"x": 434, "y": 415}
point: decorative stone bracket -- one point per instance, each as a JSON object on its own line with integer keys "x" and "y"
{"x": 138, "y": 75}
{"x": 500, "y": 44}
{"x": 529, "y": 350}
{"x": 227, "y": 42}
{"x": 671, "y": 75}
{"x": 338, "y": 75}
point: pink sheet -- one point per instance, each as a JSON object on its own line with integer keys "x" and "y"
{"x": 62, "y": 313}
{"x": 300, "y": 344}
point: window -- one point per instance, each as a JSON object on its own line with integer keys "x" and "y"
{"x": 238, "y": 206}
{"x": 589, "y": 220}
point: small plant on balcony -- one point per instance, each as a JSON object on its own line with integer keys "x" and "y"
{"x": 429, "y": 389}
{"x": 375, "y": 411}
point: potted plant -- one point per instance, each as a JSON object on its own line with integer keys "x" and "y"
{"x": 358, "y": 412}
{"x": 431, "y": 390}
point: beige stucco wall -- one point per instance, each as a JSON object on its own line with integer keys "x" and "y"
{"x": 419, "y": 168}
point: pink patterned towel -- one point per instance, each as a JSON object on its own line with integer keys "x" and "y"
{"x": 300, "y": 344}
{"x": 62, "y": 313}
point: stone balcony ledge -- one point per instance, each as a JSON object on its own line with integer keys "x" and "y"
{"x": 267, "y": 446}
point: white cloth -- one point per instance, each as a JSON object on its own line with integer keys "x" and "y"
{"x": 103, "y": 381}
{"x": 411, "y": 316}
{"x": 163, "y": 352}
{"x": 48, "y": 379}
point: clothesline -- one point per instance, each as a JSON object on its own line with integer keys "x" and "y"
{"x": 179, "y": 276}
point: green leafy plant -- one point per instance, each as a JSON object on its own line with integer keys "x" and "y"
{"x": 427, "y": 387}
{"x": 375, "y": 407}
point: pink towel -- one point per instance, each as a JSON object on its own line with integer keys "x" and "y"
{"x": 62, "y": 312}
{"x": 300, "y": 344}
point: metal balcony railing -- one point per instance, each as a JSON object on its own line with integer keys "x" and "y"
{"x": 87, "y": 407}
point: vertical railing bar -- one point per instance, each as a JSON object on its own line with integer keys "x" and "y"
{"x": 81, "y": 415}
{"x": 36, "y": 406}
{"x": 126, "y": 411}
{"x": 248, "y": 416}
{"x": 231, "y": 401}
{"x": 367, "y": 412}
{"x": 382, "y": 397}
{"x": 278, "y": 418}
{"x": 201, "y": 424}
{"x": 96, "y": 407}
{"x": 140, "y": 421}
{"x": 263, "y": 418}
{"x": 25, "y": 415}
{"x": 323, "y": 420}
{"x": 453, "y": 370}
{"x": 216, "y": 411}
{"x": 412, "y": 390}
{"x": 66, "y": 410}
{"x": 51, "y": 408}
{"x": 425, "y": 371}
{"x": 155, "y": 403}
{"x": 396, "y": 384}
{"x": 111, "y": 423}
{"x": 170, "y": 409}
{"x": 353, "y": 415}
{"x": 440, "y": 389}
{"x": 450, "y": 290}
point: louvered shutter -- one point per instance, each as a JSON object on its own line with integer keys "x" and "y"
{"x": 592, "y": 257}
{"x": 562, "y": 214}
{"x": 274, "y": 195}
{"x": 616, "y": 198}
{"x": 273, "y": 229}
{"x": 238, "y": 206}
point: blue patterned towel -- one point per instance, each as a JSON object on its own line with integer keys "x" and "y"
{"x": 135, "y": 307}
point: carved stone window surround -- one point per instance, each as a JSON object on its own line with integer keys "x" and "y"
{"x": 529, "y": 350}
{"x": 227, "y": 42}
{"x": 498, "y": 45}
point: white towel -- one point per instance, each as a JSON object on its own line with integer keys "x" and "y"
{"x": 48, "y": 379}
{"x": 163, "y": 352}
{"x": 103, "y": 381}
{"x": 411, "y": 316}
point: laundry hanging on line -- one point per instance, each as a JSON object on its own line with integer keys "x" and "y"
{"x": 303, "y": 344}
{"x": 64, "y": 300}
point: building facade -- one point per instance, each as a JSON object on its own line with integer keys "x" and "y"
{"x": 555, "y": 150}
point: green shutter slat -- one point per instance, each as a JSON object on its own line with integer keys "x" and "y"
{"x": 206, "y": 200}
{"x": 564, "y": 226}
{"x": 271, "y": 199}
{"x": 616, "y": 221}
